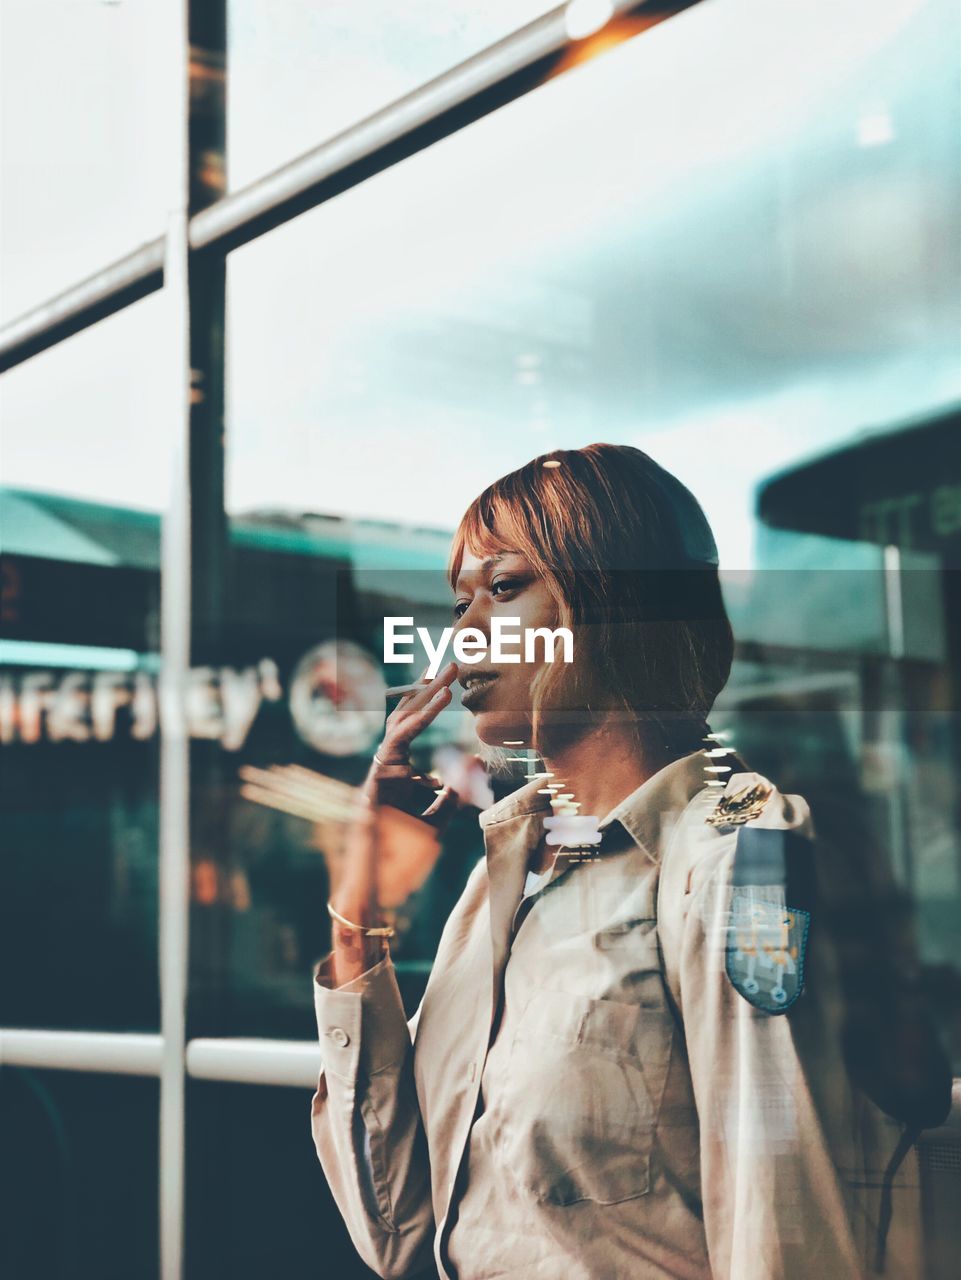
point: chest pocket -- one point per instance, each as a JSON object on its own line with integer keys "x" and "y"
{"x": 586, "y": 1081}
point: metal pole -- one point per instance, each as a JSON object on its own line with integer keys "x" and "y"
{"x": 174, "y": 776}
{"x": 126, "y": 281}
{"x": 209, "y": 526}
{"x": 175, "y": 625}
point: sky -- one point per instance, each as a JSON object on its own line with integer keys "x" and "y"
{"x": 731, "y": 242}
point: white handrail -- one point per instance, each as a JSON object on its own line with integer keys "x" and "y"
{"x": 248, "y": 1061}
{"x": 118, "y": 1053}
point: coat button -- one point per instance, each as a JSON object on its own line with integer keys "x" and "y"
{"x": 339, "y": 1037}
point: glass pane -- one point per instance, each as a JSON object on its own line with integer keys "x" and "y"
{"x": 744, "y": 278}
{"x": 84, "y": 476}
{"x": 78, "y": 1175}
{"x": 732, "y": 242}
{"x": 299, "y": 705}
{"x": 299, "y": 73}
{"x": 86, "y": 140}
{"x": 257, "y": 1201}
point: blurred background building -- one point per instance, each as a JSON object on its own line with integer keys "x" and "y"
{"x": 339, "y": 267}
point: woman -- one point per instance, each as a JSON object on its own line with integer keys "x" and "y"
{"x": 589, "y": 1088}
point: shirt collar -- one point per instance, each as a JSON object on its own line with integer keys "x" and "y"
{"x": 652, "y": 809}
{"x": 644, "y": 814}
{"x": 517, "y": 805}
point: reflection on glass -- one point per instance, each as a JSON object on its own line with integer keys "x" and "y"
{"x": 689, "y": 243}
{"x": 730, "y": 243}
{"x": 299, "y": 73}
{"x": 87, "y": 141}
{"x": 291, "y": 715}
{"x": 84, "y": 461}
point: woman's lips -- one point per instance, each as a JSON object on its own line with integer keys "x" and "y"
{"x": 477, "y": 687}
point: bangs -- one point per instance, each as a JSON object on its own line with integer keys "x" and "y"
{"x": 488, "y": 525}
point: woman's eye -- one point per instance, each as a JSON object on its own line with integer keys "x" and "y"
{"x": 498, "y": 589}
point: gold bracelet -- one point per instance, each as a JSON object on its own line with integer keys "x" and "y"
{"x": 387, "y": 932}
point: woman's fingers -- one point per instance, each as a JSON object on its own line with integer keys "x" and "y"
{"x": 416, "y": 711}
{"x": 425, "y": 691}
{"x": 391, "y": 767}
{"x": 415, "y": 722}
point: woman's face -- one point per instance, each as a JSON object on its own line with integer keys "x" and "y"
{"x": 498, "y": 695}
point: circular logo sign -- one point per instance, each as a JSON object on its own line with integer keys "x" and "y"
{"x": 337, "y": 698}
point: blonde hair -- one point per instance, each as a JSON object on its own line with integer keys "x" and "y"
{"x": 625, "y": 552}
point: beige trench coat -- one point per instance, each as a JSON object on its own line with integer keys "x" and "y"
{"x": 583, "y": 1094}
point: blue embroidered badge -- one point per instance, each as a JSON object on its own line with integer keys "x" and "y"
{"x": 767, "y": 938}
{"x": 765, "y": 951}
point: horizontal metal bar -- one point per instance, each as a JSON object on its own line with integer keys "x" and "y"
{"x": 283, "y": 193}
{"x": 118, "y": 1053}
{"x": 246, "y": 1061}
{"x": 277, "y": 1062}
{"x": 115, "y": 287}
{"x": 292, "y": 1063}
{"x": 491, "y": 78}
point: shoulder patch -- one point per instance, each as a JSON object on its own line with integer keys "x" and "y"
{"x": 767, "y": 937}
{"x": 735, "y": 808}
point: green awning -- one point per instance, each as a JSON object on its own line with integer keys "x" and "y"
{"x": 52, "y": 527}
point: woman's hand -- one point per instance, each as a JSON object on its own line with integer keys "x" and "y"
{"x": 391, "y": 781}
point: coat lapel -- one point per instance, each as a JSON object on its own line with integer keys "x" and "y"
{"x": 508, "y": 844}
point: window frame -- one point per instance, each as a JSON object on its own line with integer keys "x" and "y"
{"x": 198, "y": 240}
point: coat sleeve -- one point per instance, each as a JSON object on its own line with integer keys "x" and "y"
{"x": 366, "y": 1122}
{"x": 774, "y": 1205}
